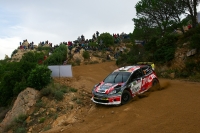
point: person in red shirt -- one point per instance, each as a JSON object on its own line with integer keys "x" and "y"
{"x": 189, "y": 26}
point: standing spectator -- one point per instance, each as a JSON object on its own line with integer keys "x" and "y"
{"x": 93, "y": 37}
{"x": 97, "y": 33}
{"x": 189, "y": 26}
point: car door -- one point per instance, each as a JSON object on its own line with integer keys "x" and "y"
{"x": 136, "y": 81}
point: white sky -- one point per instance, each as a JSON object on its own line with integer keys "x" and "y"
{"x": 61, "y": 20}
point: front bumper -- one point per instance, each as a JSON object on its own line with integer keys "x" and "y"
{"x": 106, "y": 99}
{"x": 109, "y": 103}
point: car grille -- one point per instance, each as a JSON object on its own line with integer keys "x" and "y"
{"x": 101, "y": 101}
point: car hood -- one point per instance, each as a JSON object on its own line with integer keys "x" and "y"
{"x": 107, "y": 87}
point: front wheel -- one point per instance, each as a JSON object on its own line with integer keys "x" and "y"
{"x": 126, "y": 96}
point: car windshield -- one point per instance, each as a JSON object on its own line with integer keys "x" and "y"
{"x": 117, "y": 77}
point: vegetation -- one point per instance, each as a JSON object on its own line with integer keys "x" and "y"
{"x": 56, "y": 90}
{"x": 154, "y": 25}
{"x": 58, "y": 57}
{"x": 107, "y": 39}
{"x": 31, "y": 71}
{"x": 39, "y": 77}
{"x": 157, "y": 18}
{"x": 86, "y": 55}
{"x": 18, "y": 125}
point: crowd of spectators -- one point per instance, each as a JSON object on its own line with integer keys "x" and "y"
{"x": 93, "y": 44}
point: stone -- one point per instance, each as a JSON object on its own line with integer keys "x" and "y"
{"x": 172, "y": 75}
{"x": 27, "y": 97}
{"x": 52, "y": 110}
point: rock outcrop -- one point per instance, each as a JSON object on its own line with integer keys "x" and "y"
{"x": 22, "y": 105}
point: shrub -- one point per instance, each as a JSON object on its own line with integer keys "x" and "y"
{"x": 58, "y": 95}
{"x": 39, "y": 103}
{"x": 19, "y": 86}
{"x": 41, "y": 48}
{"x": 39, "y": 77}
{"x": 92, "y": 44}
{"x": 41, "y": 120}
{"x": 107, "y": 39}
{"x": 48, "y": 127}
{"x": 194, "y": 41}
{"x": 166, "y": 47}
{"x": 58, "y": 57}
{"x": 78, "y": 62}
{"x": 86, "y": 55}
{"x": 32, "y": 57}
{"x": 20, "y": 130}
{"x": 21, "y": 118}
{"x": 46, "y": 91}
{"x": 73, "y": 89}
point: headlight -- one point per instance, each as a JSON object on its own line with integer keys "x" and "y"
{"x": 113, "y": 92}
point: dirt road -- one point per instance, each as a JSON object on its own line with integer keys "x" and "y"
{"x": 175, "y": 109}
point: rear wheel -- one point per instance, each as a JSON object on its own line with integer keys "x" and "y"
{"x": 155, "y": 85}
{"x": 126, "y": 96}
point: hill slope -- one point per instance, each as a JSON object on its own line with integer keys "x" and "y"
{"x": 173, "y": 109}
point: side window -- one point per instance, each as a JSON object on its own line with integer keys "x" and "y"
{"x": 146, "y": 70}
{"x": 135, "y": 75}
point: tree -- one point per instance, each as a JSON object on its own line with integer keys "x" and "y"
{"x": 191, "y": 6}
{"x": 143, "y": 29}
{"x": 158, "y": 15}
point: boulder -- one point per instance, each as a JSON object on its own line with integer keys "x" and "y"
{"x": 22, "y": 105}
{"x": 78, "y": 56}
{"x": 191, "y": 52}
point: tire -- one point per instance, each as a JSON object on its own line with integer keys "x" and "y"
{"x": 155, "y": 85}
{"x": 126, "y": 96}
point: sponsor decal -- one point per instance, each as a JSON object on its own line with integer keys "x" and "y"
{"x": 148, "y": 79}
{"x": 108, "y": 84}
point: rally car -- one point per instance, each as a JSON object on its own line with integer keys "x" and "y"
{"x": 123, "y": 84}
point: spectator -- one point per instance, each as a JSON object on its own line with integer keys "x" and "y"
{"x": 189, "y": 26}
{"x": 97, "y": 33}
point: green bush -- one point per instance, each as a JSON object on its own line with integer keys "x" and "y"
{"x": 73, "y": 89}
{"x": 86, "y": 55}
{"x": 41, "y": 48}
{"x": 151, "y": 45}
{"x": 78, "y": 62}
{"x": 164, "y": 54}
{"x": 46, "y": 91}
{"x": 20, "y": 130}
{"x": 194, "y": 41}
{"x": 166, "y": 47}
{"x": 92, "y": 44}
{"x": 39, "y": 77}
{"x": 58, "y": 57}
{"x": 48, "y": 127}
{"x": 32, "y": 57}
{"x": 40, "y": 104}
{"x": 41, "y": 120}
{"x": 21, "y": 118}
{"x": 19, "y": 86}
{"x": 58, "y": 95}
{"x": 107, "y": 39}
